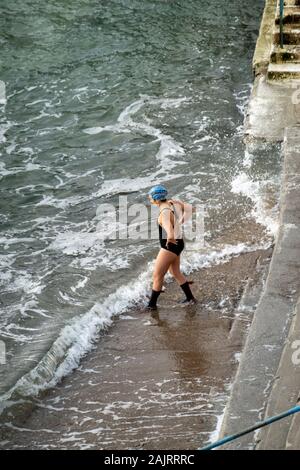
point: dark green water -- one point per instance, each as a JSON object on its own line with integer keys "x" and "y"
{"x": 107, "y": 98}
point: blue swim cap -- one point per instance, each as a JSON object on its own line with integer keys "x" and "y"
{"x": 158, "y": 193}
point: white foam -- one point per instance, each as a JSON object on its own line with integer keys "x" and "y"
{"x": 125, "y": 124}
{"x": 93, "y": 130}
{"x": 248, "y": 160}
{"x": 110, "y": 259}
{"x": 214, "y": 435}
{"x": 60, "y": 203}
{"x": 80, "y": 284}
{"x": 91, "y": 252}
{"x": 32, "y": 166}
{"x": 197, "y": 260}
{"x": 242, "y": 99}
{"x": 3, "y": 129}
{"x": 3, "y": 171}
{"x": 28, "y": 167}
{"x": 73, "y": 243}
{"x": 32, "y": 103}
{"x": 12, "y": 241}
{"x": 237, "y": 357}
{"x": 27, "y": 150}
{"x": 257, "y": 192}
{"x": 10, "y": 148}
{"x": 124, "y": 185}
{"x": 21, "y": 281}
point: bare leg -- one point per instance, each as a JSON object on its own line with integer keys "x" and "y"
{"x": 174, "y": 270}
{"x": 163, "y": 261}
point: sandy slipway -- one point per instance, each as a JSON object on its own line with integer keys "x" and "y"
{"x": 153, "y": 381}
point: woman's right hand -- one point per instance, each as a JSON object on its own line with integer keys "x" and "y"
{"x": 171, "y": 240}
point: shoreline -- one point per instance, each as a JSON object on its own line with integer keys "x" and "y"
{"x": 164, "y": 378}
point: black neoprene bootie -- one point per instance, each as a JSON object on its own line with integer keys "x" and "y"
{"x": 153, "y": 299}
{"x": 187, "y": 290}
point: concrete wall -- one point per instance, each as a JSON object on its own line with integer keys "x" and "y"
{"x": 261, "y": 56}
{"x": 267, "y": 380}
{"x": 257, "y": 373}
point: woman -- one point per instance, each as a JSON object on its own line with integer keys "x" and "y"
{"x": 171, "y": 243}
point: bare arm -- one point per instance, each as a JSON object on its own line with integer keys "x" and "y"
{"x": 167, "y": 222}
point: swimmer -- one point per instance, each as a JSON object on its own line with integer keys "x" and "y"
{"x": 172, "y": 214}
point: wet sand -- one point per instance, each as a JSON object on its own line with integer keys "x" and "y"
{"x": 154, "y": 380}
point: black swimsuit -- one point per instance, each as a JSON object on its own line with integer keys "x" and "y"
{"x": 174, "y": 248}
